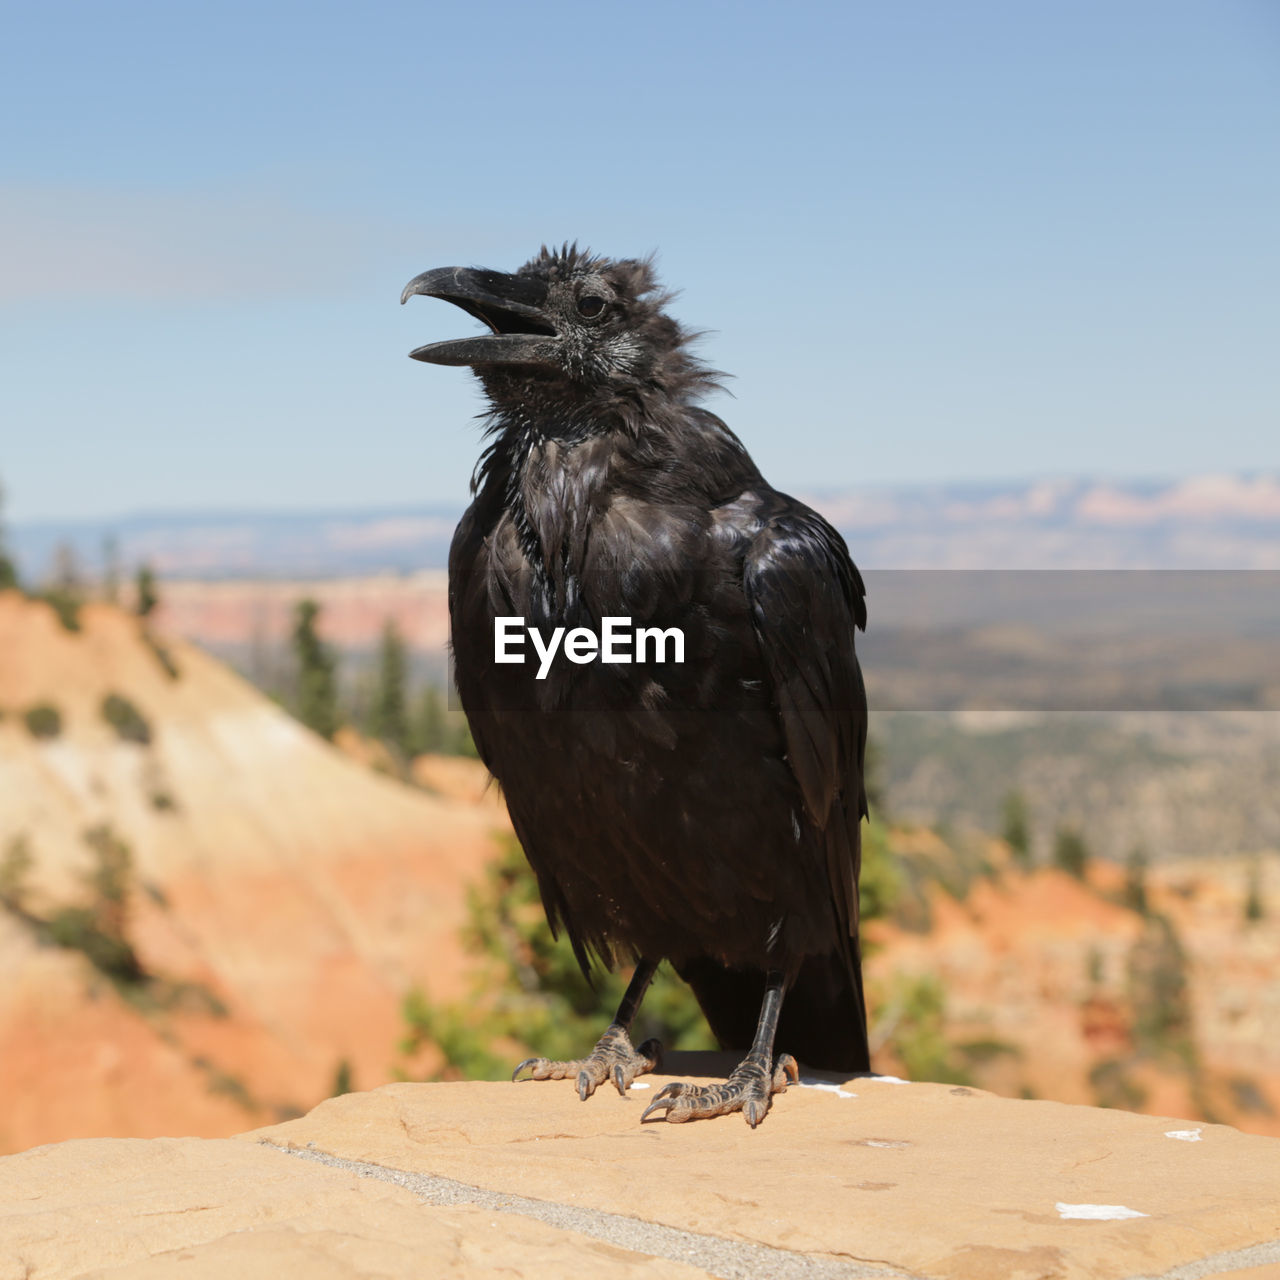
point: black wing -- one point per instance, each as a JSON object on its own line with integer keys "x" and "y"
{"x": 806, "y": 599}
{"x": 466, "y": 636}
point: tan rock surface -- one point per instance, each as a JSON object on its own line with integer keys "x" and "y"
{"x": 935, "y": 1180}
{"x": 209, "y": 1209}
{"x": 874, "y": 1180}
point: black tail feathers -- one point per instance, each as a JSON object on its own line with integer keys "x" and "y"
{"x": 824, "y": 1015}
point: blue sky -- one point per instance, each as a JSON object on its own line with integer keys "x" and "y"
{"x": 932, "y": 241}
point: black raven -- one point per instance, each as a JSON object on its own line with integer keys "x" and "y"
{"x": 704, "y": 811}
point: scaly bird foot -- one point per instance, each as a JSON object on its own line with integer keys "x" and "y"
{"x": 749, "y": 1089}
{"x": 613, "y": 1058}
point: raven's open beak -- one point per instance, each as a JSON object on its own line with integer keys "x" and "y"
{"x": 512, "y": 307}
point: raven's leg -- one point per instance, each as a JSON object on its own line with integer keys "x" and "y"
{"x": 613, "y": 1058}
{"x": 752, "y": 1083}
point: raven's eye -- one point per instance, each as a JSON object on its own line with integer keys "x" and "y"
{"x": 590, "y": 305}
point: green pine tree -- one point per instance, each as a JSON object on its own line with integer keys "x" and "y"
{"x": 873, "y": 779}
{"x": 1135, "y": 881}
{"x": 431, "y": 731}
{"x": 15, "y": 864}
{"x": 1160, "y": 992}
{"x": 146, "y": 596}
{"x": 8, "y": 569}
{"x": 880, "y": 883}
{"x": 342, "y": 1078}
{"x": 1017, "y": 827}
{"x": 316, "y": 692}
{"x": 1070, "y": 853}
{"x": 110, "y": 878}
{"x": 1254, "y": 907}
{"x": 437, "y": 728}
{"x": 100, "y": 929}
{"x": 461, "y": 743}
{"x": 111, "y": 569}
{"x": 389, "y": 712}
{"x": 65, "y": 591}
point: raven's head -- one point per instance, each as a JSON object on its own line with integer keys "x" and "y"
{"x": 567, "y": 322}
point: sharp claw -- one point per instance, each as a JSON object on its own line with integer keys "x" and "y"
{"x": 666, "y": 1099}
{"x": 658, "y": 1104}
{"x": 749, "y": 1089}
{"x": 612, "y": 1059}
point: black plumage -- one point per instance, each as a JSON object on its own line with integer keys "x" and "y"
{"x": 705, "y": 812}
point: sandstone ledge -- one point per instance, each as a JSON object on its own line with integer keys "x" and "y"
{"x": 877, "y": 1179}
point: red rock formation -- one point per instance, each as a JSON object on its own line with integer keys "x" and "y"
{"x": 299, "y": 891}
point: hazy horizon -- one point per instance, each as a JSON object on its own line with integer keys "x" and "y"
{"x": 1210, "y": 521}
{"x": 299, "y": 505}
